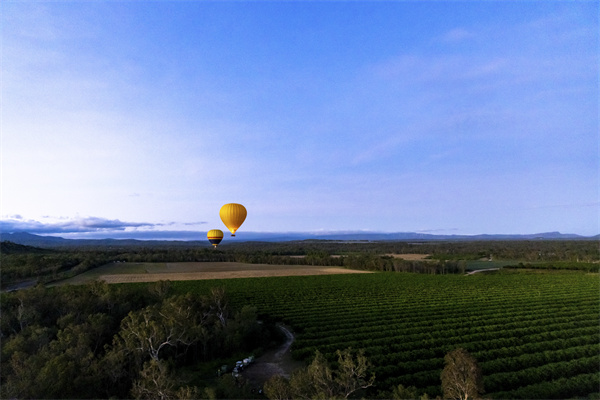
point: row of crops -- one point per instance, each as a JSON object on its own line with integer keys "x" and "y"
{"x": 534, "y": 335}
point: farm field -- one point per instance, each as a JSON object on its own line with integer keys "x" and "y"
{"x": 128, "y": 272}
{"x": 535, "y": 335}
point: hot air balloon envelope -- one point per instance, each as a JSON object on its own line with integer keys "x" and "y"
{"x": 233, "y": 215}
{"x": 215, "y": 236}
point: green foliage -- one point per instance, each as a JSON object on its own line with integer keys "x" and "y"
{"x": 228, "y": 387}
{"x": 407, "y": 393}
{"x": 8, "y": 248}
{"x": 155, "y": 382}
{"x": 559, "y": 388}
{"x": 45, "y": 266}
{"x": 320, "y": 380}
{"x": 278, "y": 388}
{"x": 559, "y": 265}
{"x": 100, "y": 341}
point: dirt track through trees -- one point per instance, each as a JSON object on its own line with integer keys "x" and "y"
{"x": 275, "y": 362}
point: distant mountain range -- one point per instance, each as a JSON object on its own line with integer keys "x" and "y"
{"x": 29, "y": 239}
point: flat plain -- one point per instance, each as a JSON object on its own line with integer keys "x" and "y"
{"x": 126, "y": 272}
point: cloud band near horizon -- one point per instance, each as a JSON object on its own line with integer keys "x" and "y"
{"x": 84, "y": 225}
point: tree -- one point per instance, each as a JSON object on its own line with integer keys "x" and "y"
{"x": 278, "y": 388}
{"x": 352, "y": 373}
{"x": 219, "y": 304}
{"x": 401, "y": 392}
{"x": 155, "y": 327}
{"x": 320, "y": 381}
{"x": 155, "y": 382}
{"x": 161, "y": 288}
{"x": 461, "y": 377}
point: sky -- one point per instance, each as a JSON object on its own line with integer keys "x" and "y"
{"x": 141, "y": 119}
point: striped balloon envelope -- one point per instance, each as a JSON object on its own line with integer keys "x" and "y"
{"x": 215, "y": 236}
{"x": 233, "y": 215}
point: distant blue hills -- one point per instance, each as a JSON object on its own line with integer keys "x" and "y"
{"x": 29, "y": 239}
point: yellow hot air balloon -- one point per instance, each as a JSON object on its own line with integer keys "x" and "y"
{"x": 233, "y": 215}
{"x": 215, "y": 236}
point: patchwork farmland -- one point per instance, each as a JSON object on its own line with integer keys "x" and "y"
{"x": 532, "y": 325}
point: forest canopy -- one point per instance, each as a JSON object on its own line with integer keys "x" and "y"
{"x": 115, "y": 341}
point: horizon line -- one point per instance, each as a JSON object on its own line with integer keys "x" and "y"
{"x": 191, "y": 236}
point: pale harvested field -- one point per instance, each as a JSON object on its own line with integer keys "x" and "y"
{"x": 407, "y": 257}
{"x": 303, "y": 256}
{"x": 194, "y": 276}
{"x": 151, "y": 272}
{"x": 410, "y": 257}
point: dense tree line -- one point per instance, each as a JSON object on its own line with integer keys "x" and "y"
{"x": 101, "y": 341}
{"x": 525, "y": 250}
{"x": 558, "y": 265}
{"x": 20, "y": 263}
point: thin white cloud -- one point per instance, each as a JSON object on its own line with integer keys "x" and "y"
{"x": 438, "y": 230}
{"x": 383, "y": 148}
{"x": 457, "y": 35}
{"x": 81, "y": 225}
{"x": 194, "y": 223}
{"x": 60, "y": 225}
{"x": 412, "y": 69}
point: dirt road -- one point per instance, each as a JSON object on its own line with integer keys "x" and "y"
{"x": 275, "y": 362}
{"x": 482, "y": 270}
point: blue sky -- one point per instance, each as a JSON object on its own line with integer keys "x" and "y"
{"x": 431, "y": 116}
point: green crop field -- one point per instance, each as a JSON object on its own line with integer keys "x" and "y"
{"x": 534, "y": 335}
